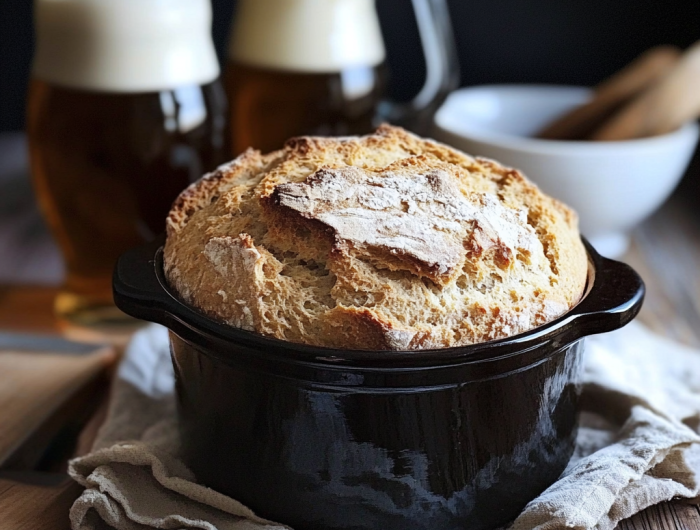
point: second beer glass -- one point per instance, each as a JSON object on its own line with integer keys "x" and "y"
{"x": 317, "y": 67}
{"x": 302, "y": 67}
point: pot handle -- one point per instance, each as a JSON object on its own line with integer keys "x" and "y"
{"x": 613, "y": 300}
{"x": 136, "y": 287}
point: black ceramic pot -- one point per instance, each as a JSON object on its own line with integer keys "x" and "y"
{"x": 318, "y": 438}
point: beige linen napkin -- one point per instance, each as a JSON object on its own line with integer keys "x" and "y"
{"x": 638, "y": 445}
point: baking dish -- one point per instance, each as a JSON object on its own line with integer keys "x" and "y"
{"x": 320, "y": 438}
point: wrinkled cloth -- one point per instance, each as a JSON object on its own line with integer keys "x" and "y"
{"x": 638, "y": 444}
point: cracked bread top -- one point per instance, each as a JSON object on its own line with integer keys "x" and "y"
{"x": 381, "y": 242}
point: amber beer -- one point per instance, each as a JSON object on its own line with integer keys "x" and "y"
{"x": 302, "y": 67}
{"x": 124, "y": 111}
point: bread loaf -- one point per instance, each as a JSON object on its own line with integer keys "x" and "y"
{"x": 383, "y": 242}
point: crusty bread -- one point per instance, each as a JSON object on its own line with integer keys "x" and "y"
{"x": 386, "y": 242}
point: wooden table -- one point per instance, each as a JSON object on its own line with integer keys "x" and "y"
{"x": 665, "y": 250}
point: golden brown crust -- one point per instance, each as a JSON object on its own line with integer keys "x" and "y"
{"x": 386, "y": 241}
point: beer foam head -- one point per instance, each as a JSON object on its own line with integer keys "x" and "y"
{"x": 323, "y": 36}
{"x": 124, "y": 45}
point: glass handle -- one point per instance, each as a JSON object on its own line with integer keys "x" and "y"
{"x": 441, "y": 67}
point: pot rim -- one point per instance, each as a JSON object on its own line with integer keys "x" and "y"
{"x": 613, "y": 297}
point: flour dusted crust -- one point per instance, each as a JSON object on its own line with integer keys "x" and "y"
{"x": 386, "y": 241}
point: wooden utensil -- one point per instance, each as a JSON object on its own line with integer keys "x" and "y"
{"x": 613, "y": 93}
{"x": 662, "y": 108}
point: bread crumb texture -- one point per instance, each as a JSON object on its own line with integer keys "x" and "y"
{"x": 382, "y": 242}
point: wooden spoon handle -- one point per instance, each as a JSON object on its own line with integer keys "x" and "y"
{"x": 612, "y": 93}
{"x": 662, "y": 108}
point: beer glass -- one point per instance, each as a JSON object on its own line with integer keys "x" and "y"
{"x": 125, "y": 109}
{"x": 317, "y": 67}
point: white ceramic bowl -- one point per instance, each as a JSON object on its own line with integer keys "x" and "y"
{"x": 612, "y": 185}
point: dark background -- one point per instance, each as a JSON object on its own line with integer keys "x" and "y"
{"x": 548, "y": 41}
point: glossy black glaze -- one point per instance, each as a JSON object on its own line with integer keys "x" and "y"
{"x": 467, "y": 455}
{"x": 334, "y": 439}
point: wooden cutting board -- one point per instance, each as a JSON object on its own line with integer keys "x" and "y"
{"x": 31, "y": 500}
{"x": 41, "y": 381}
